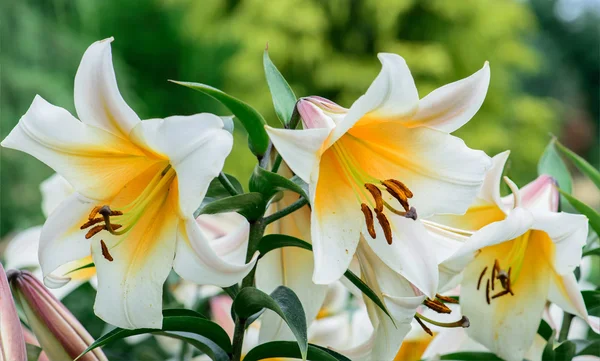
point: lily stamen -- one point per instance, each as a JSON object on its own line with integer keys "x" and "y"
{"x": 446, "y": 299}
{"x": 423, "y": 326}
{"x": 463, "y": 322}
{"x": 397, "y": 192}
{"x": 385, "y": 225}
{"x": 369, "y": 220}
{"x": 376, "y": 193}
{"x": 481, "y": 277}
{"x": 487, "y": 292}
{"x": 105, "y": 251}
{"x": 437, "y": 306}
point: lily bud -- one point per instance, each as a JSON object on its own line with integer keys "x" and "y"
{"x": 12, "y": 342}
{"x": 59, "y": 333}
{"x": 318, "y": 112}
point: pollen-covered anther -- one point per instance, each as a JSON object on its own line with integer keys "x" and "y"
{"x": 397, "y": 192}
{"x": 94, "y": 212}
{"x": 368, "y": 220}
{"x": 437, "y": 306}
{"x": 93, "y": 231}
{"x": 445, "y": 298}
{"x": 105, "y": 253}
{"x": 425, "y": 328}
{"x": 91, "y": 222}
{"x": 385, "y": 225}
{"x": 481, "y": 277}
{"x": 376, "y": 193}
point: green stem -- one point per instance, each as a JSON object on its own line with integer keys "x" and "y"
{"x": 284, "y": 212}
{"x": 565, "y": 327}
{"x": 257, "y": 230}
{"x": 227, "y": 184}
{"x": 277, "y": 163}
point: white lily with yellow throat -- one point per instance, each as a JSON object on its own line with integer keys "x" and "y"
{"x": 137, "y": 184}
{"x": 521, "y": 254}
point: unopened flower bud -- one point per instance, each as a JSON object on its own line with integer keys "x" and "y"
{"x": 12, "y": 342}
{"x": 318, "y": 112}
{"x": 59, "y": 333}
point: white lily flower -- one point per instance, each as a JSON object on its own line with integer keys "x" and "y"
{"x": 137, "y": 184}
{"x": 389, "y": 147}
{"x": 290, "y": 266}
{"x": 522, "y": 252}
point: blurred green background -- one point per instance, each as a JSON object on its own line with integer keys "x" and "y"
{"x": 544, "y": 57}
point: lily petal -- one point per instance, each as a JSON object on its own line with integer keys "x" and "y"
{"x": 95, "y": 162}
{"x": 539, "y": 195}
{"x": 12, "y": 341}
{"x": 564, "y": 292}
{"x": 54, "y": 190}
{"x": 197, "y": 261}
{"x": 453, "y": 105}
{"x": 61, "y": 240}
{"x": 97, "y": 98}
{"x": 408, "y": 255}
{"x": 132, "y": 268}
{"x": 22, "y": 250}
{"x": 188, "y": 141}
{"x": 392, "y": 94}
{"x": 568, "y": 232}
{"x": 490, "y": 190}
{"x": 299, "y": 148}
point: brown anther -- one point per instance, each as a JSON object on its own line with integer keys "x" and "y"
{"x": 397, "y": 192}
{"x": 94, "y": 212}
{"x": 437, "y": 306}
{"x": 368, "y": 219}
{"x": 93, "y": 231}
{"x": 412, "y": 214}
{"x": 115, "y": 226}
{"x": 105, "y": 252}
{"x": 503, "y": 277}
{"x": 500, "y": 294}
{"x": 376, "y": 193}
{"x": 481, "y": 277}
{"x": 385, "y": 225}
{"x": 402, "y": 186}
{"x": 446, "y": 298}
{"x": 487, "y": 292}
{"x": 116, "y": 213}
{"x": 91, "y": 222}
{"x": 495, "y": 269}
{"x": 425, "y": 328}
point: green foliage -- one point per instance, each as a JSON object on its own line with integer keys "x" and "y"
{"x": 282, "y": 301}
{"x": 592, "y": 302}
{"x": 586, "y": 168}
{"x": 589, "y": 212}
{"x": 284, "y": 99}
{"x": 287, "y": 349}
{"x": 268, "y": 183}
{"x": 552, "y": 164}
{"x": 250, "y": 205}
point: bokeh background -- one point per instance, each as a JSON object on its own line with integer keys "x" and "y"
{"x": 544, "y": 57}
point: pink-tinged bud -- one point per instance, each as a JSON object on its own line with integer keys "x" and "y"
{"x": 32, "y": 340}
{"x": 12, "y": 341}
{"x": 318, "y": 112}
{"x": 59, "y": 333}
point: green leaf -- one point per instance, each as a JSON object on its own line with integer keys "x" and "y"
{"x": 592, "y": 302}
{"x": 364, "y": 288}
{"x": 581, "y": 164}
{"x": 33, "y": 352}
{"x": 282, "y": 301}
{"x": 471, "y": 356}
{"x": 592, "y": 252}
{"x": 284, "y": 99}
{"x": 587, "y": 347}
{"x": 544, "y": 330}
{"x": 202, "y": 343}
{"x": 248, "y": 116}
{"x": 176, "y": 320}
{"x": 89, "y": 265}
{"x": 216, "y": 189}
{"x": 269, "y": 183}
{"x": 564, "y": 352}
{"x": 552, "y": 164}
{"x": 592, "y": 216}
{"x": 274, "y": 241}
{"x": 250, "y": 205}
{"x": 289, "y": 349}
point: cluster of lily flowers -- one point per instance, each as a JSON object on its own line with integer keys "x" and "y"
{"x": 387, "y": 193}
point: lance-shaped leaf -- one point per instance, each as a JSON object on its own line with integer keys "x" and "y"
{"x": 250, "y": 205}
{"x": 288, "y": 349}
{"x": 269, "y": 183}
{"x": 217, "y": 190}
{"x": 248, "y": 116}
{"x": 59, "y": 333}
{"x": 592, "y": 302}
{"x": 581, "y": 164}
{"x": 175, "y": 321}
{"x": 284, "y": 99}
{"x": 12, "y": 341}
{"x": 592, "y": 216}
{"x": 282, "y": 301}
